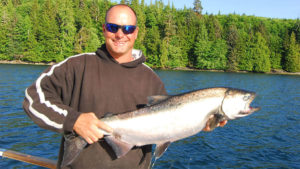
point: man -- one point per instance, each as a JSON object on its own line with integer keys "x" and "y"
{"x": 72, "y": 95}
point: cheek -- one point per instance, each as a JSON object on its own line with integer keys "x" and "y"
{"x": 231, "y": 107}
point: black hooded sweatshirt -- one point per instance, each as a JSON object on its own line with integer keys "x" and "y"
{"x": 93, "y": 82}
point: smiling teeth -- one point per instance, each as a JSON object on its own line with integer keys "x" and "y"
{"x": 120, "y": 43}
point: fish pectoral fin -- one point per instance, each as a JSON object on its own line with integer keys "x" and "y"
{"x": 156, "y": 99}
{"x": 120, "y": 148}
{"x": 160, "y": 149}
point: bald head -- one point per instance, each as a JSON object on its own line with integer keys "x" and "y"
{"x": 118, "y": 7}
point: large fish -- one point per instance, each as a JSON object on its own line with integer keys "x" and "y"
{"x": 167, "y": 119}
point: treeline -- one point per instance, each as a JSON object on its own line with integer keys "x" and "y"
{"x": 52, "y": 30}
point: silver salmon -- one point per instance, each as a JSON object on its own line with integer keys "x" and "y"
{"x": 167, "y": 119}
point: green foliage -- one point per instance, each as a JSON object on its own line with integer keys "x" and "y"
{"x": 292, "y": 57}
{"x": 52, "y": 30}
{"x": 261, "y": 54}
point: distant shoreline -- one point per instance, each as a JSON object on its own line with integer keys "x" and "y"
{"x": 278, "y": 71}
{"x": 24, "y": 63}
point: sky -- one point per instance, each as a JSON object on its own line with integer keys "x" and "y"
{"x": 288, "y": 9}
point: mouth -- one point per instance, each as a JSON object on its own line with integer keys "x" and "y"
{"x": 119, "y": 43}
{"x": 249, "y": 109}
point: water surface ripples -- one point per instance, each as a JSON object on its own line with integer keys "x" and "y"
{"x": 269, "y": 138}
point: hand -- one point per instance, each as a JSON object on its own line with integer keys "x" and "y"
{"x": 87, "y": 125}
{"x": 221, "y": 124}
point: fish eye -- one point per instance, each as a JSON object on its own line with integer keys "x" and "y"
{"x": 246, "y": 97}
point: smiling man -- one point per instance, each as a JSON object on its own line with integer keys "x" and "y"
{"x": 120, "y": 32}
{"x": 70, "y": 97}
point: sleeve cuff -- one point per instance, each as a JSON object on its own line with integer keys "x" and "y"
{"x": 70, "y": 121}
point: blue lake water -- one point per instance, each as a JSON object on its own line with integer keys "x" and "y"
{"x": 269, "y": 138}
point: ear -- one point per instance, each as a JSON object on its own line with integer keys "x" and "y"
{"x": 103, "y": 28}
{"x": 136, "y": 32}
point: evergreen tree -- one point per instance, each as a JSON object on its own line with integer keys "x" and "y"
{"x": 86, "y": 39}
{"x": 31, "y": 52}
{"x": 152, "y": 40}
{"x": 48, "y": 33}
{"x": 168, "y": 32}
{"x": 198, "y": 7}
{"x": 67, "y": 28}
{"x": 232, "y": 42}
{"x": 139, "y": 9}
{"x": 292, "y": 57}
{"x": 9, "y": 22}
{"x": 261, "y": 54}
{"x": 4, "y": 20}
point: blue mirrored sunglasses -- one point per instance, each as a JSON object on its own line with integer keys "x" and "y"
{"x": 127, "y": 29}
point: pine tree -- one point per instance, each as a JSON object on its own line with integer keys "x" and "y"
{"x": 168, "y": 33}
{"x": 4, "y": 20}
{"x": 261, "y": 54}
{"x": 152, "y": 40}
{"x": 49, "y": 33}
{"x": 139, "y": 9}
{"x": 198, "y": 7}
{"x": 232, "y": 42}
{"x": 66, "y": 21}
{"x": 292, "y": 58}
{"x": 86, "y": 39}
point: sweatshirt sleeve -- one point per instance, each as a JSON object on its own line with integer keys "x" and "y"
{"x": 47, "y": 100}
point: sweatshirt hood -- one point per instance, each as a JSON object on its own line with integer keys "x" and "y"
{"x": 138, "y": 56}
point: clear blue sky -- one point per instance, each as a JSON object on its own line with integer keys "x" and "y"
{"x": 289, "y": 9}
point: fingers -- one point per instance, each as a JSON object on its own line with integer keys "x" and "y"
{"x": 220, "y": 124}
{"x": 207, "y": 128}
{"x": 101, "y": 125}
{"x": 223, "y": 123}
{"x": 87, "y": 126}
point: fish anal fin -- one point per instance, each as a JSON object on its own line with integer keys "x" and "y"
{"x": 156, "y": 99}
{"x": 160, "y": 149}
{"x": 120, "y": 148}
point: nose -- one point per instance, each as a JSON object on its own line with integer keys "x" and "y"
{"x": 119, "y": 34}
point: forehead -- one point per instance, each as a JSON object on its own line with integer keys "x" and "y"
{"x": 121, "y": 15}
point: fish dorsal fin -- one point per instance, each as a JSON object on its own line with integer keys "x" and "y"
{"x": 152, "y": 100}
{"x": 120, "y": 148}
{"x": 160, "y": 149}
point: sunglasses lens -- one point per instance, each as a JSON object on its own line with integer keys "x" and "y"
{"x": 112, "y": 27}
{"x": 127, "y": 29}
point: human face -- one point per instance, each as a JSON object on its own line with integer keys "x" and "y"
{"x": 118, "y": 44}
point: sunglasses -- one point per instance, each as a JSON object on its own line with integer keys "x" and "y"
{"x": 113, "y": 28}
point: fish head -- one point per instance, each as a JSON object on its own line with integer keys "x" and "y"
{"x": 236, "y": 103}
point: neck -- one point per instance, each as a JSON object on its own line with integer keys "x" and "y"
{"x": 123, "y": 59}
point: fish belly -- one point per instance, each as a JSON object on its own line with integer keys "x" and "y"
{"x": 164, "y": 126}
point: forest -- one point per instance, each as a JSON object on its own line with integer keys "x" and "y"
{"x": 52, "y": 30}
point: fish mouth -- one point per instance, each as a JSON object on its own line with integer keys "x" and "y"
{"x": 248, "y": 108}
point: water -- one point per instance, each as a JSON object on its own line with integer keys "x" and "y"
{"x": 269, "y": 138}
